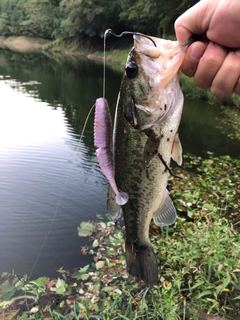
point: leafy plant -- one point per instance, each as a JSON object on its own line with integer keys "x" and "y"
{"x": 199, "y": 259}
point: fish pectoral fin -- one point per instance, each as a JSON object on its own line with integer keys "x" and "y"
{"x": 176, "y": 153}
{"x": 167, "y": 214}
{"x": 114, "y": 209}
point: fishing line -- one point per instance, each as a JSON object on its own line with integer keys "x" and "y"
{"x": 104, "y": 62}
{"x": 61, "y": 195}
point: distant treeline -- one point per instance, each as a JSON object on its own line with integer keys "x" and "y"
{"x": 76, "y": 20}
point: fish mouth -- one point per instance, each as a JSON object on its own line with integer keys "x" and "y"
{"x": 159, "y": 68}
{"x": 154, "y": 47}
{"x": 161, "y": 65}
{"x": 159, "y": 43}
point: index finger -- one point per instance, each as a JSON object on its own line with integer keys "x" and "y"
{"x": 194, "y": 21}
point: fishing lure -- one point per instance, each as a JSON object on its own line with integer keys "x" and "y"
{"x": 103, "y": 141}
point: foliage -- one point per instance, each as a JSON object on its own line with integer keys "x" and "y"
{"x": 231, "y": 119}
{"x": 29, "y": 17}
{"x": 39, "y": 19}
{"x": 153, "y": 17}
{"x": 199, "y": 259}
{"x": 83, "y": 19}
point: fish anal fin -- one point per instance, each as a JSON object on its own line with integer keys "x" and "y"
{"x": 114, "y": 209}
{"x": 167, "y": 214}
{"x": 141, "y": 262}
{"x": 176, "y": 153}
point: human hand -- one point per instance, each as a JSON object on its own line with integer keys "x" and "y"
{"x": 214, "y": 62}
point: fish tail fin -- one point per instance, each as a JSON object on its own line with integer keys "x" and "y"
{"x": 142, "y": 263}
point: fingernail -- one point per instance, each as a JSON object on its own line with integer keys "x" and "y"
{"x": 237, "y": 52}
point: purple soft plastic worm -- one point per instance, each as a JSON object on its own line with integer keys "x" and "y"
{"x": 103, "y": 141}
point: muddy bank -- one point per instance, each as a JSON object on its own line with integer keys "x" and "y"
{"x": 23, "y": 44}
{"x": 27, "y": 44}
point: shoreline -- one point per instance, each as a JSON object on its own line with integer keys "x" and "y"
{"x": 114, "y": 58}
{"x": 23, "y": 44}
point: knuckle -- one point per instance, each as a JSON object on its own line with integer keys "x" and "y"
{"x": 212, "y": 61}
{"x": 221, "y": 92}
{"x": 201, "y": 82}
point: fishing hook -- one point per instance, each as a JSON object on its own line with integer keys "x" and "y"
{"x": 110, "y": 31}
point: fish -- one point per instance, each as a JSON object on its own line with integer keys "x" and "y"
{"x": 143, "y": 142}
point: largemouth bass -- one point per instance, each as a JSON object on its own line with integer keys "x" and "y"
{"x": 145, "y": 138}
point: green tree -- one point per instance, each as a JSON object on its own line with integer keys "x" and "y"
{"x": 141, "y": 15}
{"x": 80, "y": 20}
{"x": 153, "y": 17}
{"x": 88, "y": 18}
{"x": 11, "y": 15}
{"x": 39, "y": 20}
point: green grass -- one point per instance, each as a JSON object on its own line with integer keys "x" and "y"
{"x": 199, "y": 260}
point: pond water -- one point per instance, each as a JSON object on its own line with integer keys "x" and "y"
{"x": 49, "y": 182}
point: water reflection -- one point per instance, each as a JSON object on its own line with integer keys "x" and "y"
{"x": 199, "y": 130}
{"x": 46, "y": 173}
{"x": 41, "y": 118}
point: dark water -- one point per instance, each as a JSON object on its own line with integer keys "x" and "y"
{"x": 46, "y": 174}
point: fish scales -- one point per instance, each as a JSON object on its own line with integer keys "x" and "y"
{"x": 145, "y": 139}
{"x": 143, "y": 191}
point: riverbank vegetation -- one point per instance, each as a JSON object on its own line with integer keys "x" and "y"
{"x": 198, "y": 257}
{"x": 82, "y": 21}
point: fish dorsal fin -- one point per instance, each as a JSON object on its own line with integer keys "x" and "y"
{"x": 167, "y": 214}
{"x": 114, "y": 209}
{"x": 177, "y": 150}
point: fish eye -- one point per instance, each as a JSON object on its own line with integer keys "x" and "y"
{"x": 131, "y": 70}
